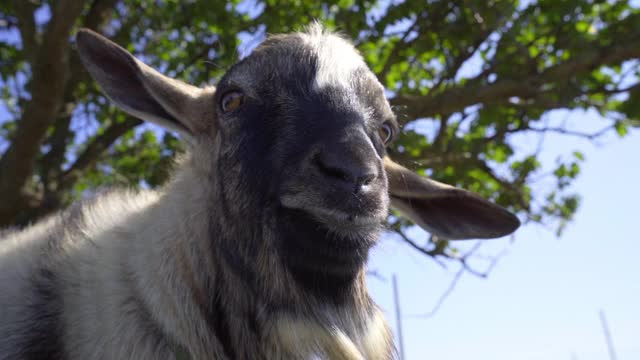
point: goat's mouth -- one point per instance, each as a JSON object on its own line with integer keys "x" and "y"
{"x": 340, "y": 221}
{"x": 331, "y": 244}
{"x": 348, "y": 216}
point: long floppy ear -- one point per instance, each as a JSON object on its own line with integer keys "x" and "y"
{"x": 142, "y": 91}
{"x": 446, "y": 211}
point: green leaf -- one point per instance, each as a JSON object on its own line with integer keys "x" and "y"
{"x": 621, "y": 128}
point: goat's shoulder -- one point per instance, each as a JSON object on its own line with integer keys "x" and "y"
{"x": 42, "y": 266}
{"x": 28, "y": 291}
{"x": 63, "y": 238}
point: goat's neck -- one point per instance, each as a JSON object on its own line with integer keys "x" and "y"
{"x": 172, "y": 261}
{"x": 295, "y": 321}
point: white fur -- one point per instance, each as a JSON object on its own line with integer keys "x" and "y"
{"x": 345, "y": 339}
{"x": 337, "y": 57}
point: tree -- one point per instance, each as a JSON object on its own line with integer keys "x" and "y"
{"x": 465, "y": 77}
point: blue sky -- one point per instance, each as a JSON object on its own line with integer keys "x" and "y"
{"x": 541, "y": 301}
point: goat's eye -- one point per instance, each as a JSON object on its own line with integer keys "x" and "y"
{"x": 231, "y": 101}
{"x": 386, "y": 133}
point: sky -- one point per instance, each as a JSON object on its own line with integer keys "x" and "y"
{"x": 542, "y": 299}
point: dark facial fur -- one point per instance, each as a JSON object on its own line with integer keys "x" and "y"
{"x": 307, "y": 155}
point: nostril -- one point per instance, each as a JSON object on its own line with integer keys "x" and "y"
{"x": 331, "y": 171}
{"x": 350, "y": 173}
{"x": 363, "y": 182}
{"x": 366, "y": 179}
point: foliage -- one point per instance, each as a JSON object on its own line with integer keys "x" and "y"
{"x": 466, "y": 78}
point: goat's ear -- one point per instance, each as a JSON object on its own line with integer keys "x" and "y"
{"x": 142, "y": 91}
{"x": 446, "y": 211}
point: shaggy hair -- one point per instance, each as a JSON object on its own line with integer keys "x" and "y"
{"x": 256, "y": 248}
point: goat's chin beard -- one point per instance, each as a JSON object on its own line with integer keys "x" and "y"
{"x": 325, "y": 255}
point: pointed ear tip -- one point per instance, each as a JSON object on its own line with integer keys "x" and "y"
{"x": 85, "y": 34}
{"x": 512, "y": 223}
{"x": 86, "y": 38}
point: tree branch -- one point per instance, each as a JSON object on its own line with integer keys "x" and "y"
{"x": 436, "y": 251}
{"x": 560, "y": 130}
{"x": 443, "y": 296}
{"x": 8, "y": 21}
{"x": 49, "y": 70}
{"x": 457, "y": 98}
{"x": 475, "y": 91}
{"x": 99, "y": 12}
{"x": 95, "y": 148}
{"x": 397, "y": 48}
{"x": 508, "y": 186}
{"x": 51, "y": 162}
{"x": 458, "y": 275}
{"x": 27, "y": 26}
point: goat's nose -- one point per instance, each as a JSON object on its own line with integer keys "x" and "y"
{"x": 354, "y": 169}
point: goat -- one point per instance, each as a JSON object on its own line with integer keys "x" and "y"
{"x": 256, "y": 248}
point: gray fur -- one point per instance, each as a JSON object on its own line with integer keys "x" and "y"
{"x": 247, "y": 253}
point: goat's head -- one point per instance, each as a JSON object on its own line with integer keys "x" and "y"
{"x": 312, "y": 123}
{"x": 300, "y": 126}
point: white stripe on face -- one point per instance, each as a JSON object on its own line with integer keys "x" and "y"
{"x": 337, "y": 58}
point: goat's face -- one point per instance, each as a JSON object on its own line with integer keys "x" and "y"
{"x": 295, "y": 133}
{"x": 307, "y": 123}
